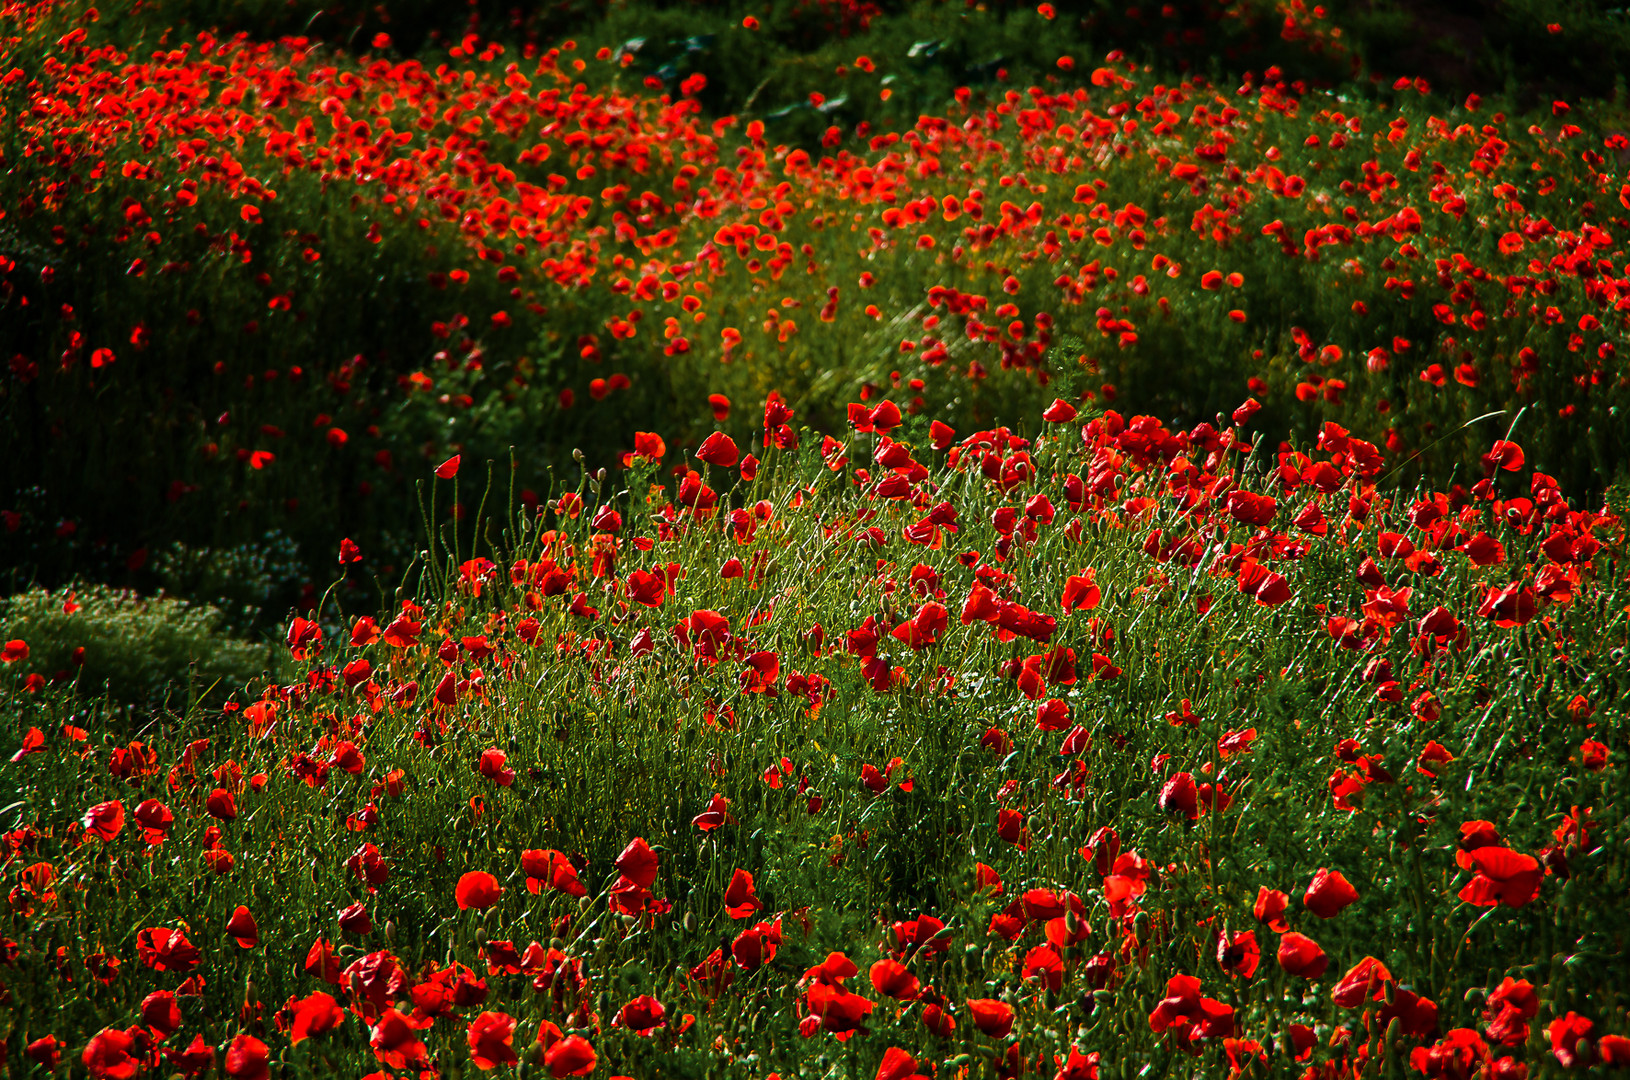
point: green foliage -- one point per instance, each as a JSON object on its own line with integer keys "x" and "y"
{"x": 240, "y": 583}
{"x": 140, "y": 650}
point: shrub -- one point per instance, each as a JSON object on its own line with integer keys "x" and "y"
{"x": 138, "y": 649}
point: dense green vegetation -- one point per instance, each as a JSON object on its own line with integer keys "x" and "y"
{"x": 816, "y": 539}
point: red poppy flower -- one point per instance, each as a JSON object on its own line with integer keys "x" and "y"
{"x": 491, "y": 1036}
{"x": 46, "y": 1052}
{"x": 163, "y": 949}
{"x": 1328, "y": 893}
{"x": 756, "y": 946}
{"x": 832, "y": 971}
{"x": 243, "y": 929}
{"x": 492, "y": 766}
{"x": 1238, "y": 953}
{"x": 1188, "y": 1014}
{"x": 1510, "y": 1006}
{"x": 104, "y": 820}
{"x": 571, "y": 1056}
{"x": 993, "y": 1017}
{"x": 108, "y": 1055}
{"x": 1365, "y": 981}
{"x": 1267, "y": 587}
{"x": 320, "y": 962}
{"x": 892, "y": 979}
{"x": 1180, "y": 795}
{"x": 1249, "y": 508}
{"x": 159, "y": 1012}
{"x": 1503, "y": 877}
{"x": 838, "y": 1009}
{"x": 15, "y": 651}
{"x": 315, "y": 1014}
{"x": 449, "y": 468}
{"x": 155, "y": 820}
{"x": 1417, "y": 1016}
{"x": 1462, "y": 1052}
{"x": 638, "y": 863}
{"x": 925, "y": 627}
{"x": 645, "y": 588}
{"x": 395, "y": 1040}
{"x": 247, "y": 1058}
{"x": 402, "y": 633}
{"x": 1081, "y": 592}
{"x": 1053, "y": 715}
{"x": 477, "y": 889}
{"x": 197, "y": 1059}
{"x": 354, "y": 919}
{"x": 718, "y": 808}
{"x": 718, "y": 449}
{"x": 1570, "y": 1040}
{"x": 367, "y": 864}
{"x": 707, "y": 632}
{"x": 740, "y": 901}
{"x": 1079, "y": 1066}
{"x": 1010, "y": 826}
{"x": 304, "y": 637}
{"x": 551, "y": 869}
{"x": 939, "y": 1020}
{"x": 1059, "y": 412}
{"x": 221, "y": 805}
{"x": 642, "y": 1016}
{"x": 1506, "y": 455}
{"x": 1042, "y": 964}
{"x": 1300, "y": 955}
{"x": 897, "y": 1065}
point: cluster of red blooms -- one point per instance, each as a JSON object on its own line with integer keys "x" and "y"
{"x": 591, "y": 594}
{"x": 999, "y": 195}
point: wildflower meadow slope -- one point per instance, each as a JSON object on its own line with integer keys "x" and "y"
{"x": 1116, "y": 749}
{"x": 266, "y": 279}
{"x": 1115, "y": 577}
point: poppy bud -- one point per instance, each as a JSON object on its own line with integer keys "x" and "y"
{"x": 390, "y": 931}
{"x": 689, "y": 922}
{"x": 577, "y": 456}
{"x": 480, "y": 936}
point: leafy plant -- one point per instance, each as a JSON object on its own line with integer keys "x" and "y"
{"x": 140, "y": 650}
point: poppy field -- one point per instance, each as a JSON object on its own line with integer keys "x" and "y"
{"x": 258, "y": 286}
{"x": 1119, "y": 578}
